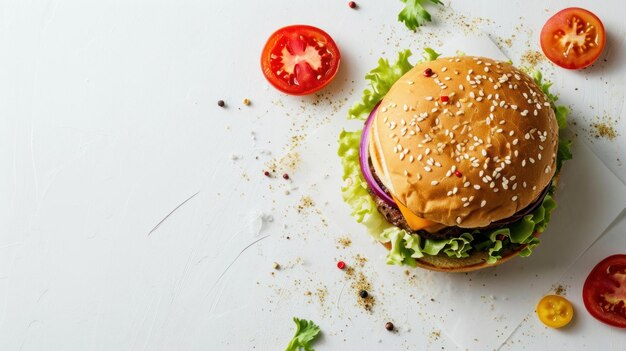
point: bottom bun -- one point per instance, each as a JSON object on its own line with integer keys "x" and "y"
{"x": 475, "y": 261}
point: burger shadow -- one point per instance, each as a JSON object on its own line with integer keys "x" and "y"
{"x": 603, "y": 65}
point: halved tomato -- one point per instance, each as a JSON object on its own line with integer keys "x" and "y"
{"x": 573, "y": 38}
{"x": 555, "y": 311}
{"x": 300, "y": 59}
{"x": 604, "y": 292}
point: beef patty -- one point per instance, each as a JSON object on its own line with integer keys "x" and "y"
{"x": 393, "y": 215}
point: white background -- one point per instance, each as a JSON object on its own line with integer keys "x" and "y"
{"x": 109, "y": 122}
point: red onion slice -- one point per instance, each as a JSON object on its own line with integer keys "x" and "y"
{"x": 363, "y": 161}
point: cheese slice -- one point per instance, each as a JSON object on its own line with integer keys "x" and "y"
{"x": 415, "y": 222}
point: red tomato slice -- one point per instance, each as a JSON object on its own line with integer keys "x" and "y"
{"x": 573, "y": 38}
{"x": 604, "y": 292}
{"x": 300, "y": 59}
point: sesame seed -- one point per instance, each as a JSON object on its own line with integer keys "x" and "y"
{"x": 429, "y": 98}
{"x": 427, "y": 169}
{"x": 406, "y": 108}
{"x": 483, "y": 203}
{"x": 514, "y": 198}
{"x": 458, "y": 220}
{"x": 410, "y": 82}
{"x": 384, "y": 109}
{"x": 466, "y": 184}
{"x": 477, "y": 187}
{"x": 455, "y": 190}
{"x": 434, "y": 182}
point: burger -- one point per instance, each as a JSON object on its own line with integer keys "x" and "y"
{"x": 457, "y": 164}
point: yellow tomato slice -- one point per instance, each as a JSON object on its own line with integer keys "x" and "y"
{"x": 555, "y": 311}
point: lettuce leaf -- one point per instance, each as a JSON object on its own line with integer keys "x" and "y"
{"x": 381, "y": 78}
{"x": 564, "y": 152}
{"x": 406, "y": 247}
{"x": 414, "y": 15}
{"x": 306, "y": 331}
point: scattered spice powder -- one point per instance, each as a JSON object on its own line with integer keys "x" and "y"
{"x": 305, "y": 203}
{"x": 604, "y": 130}
{"x": 361, "y": 284}
{"x": 560, "y": 290}
{"x": 344, "y": 242}
{"x": 532, "y": 58}
{"x": 360, "y": 260}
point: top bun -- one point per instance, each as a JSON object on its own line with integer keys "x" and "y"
{"x": 472, "y": 144}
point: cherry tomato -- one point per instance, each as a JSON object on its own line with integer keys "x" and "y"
{"x": 573, "y": 38}
{"x": 604, "y": 292}
{"x": 299, "y": 59}
{"x": 555, "y": 311}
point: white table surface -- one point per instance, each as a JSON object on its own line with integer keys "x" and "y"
{"x": 109, "y": 124}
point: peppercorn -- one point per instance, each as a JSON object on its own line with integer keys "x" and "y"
{"x": 363, "y": 294}
{"x": 221, "y": 103}
{"x": 352, "y": 4}
{"x": 285, "y": 176}
{"x": 266, "y": 173}
{"x": 389, "y": 326}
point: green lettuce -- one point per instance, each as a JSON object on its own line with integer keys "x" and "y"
{"x": 414, "y": 15}
{"x": 564, "y": 152}
{"x": 381, "y": 79}
{"x": 406, "y": 247}
{"x": 306, "y": 332}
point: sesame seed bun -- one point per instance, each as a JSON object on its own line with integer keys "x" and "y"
{"x": 485, "y": 153}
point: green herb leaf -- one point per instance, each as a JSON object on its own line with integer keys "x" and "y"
{"x": 414, "y": 15}
{"x": 306, "y": 331}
